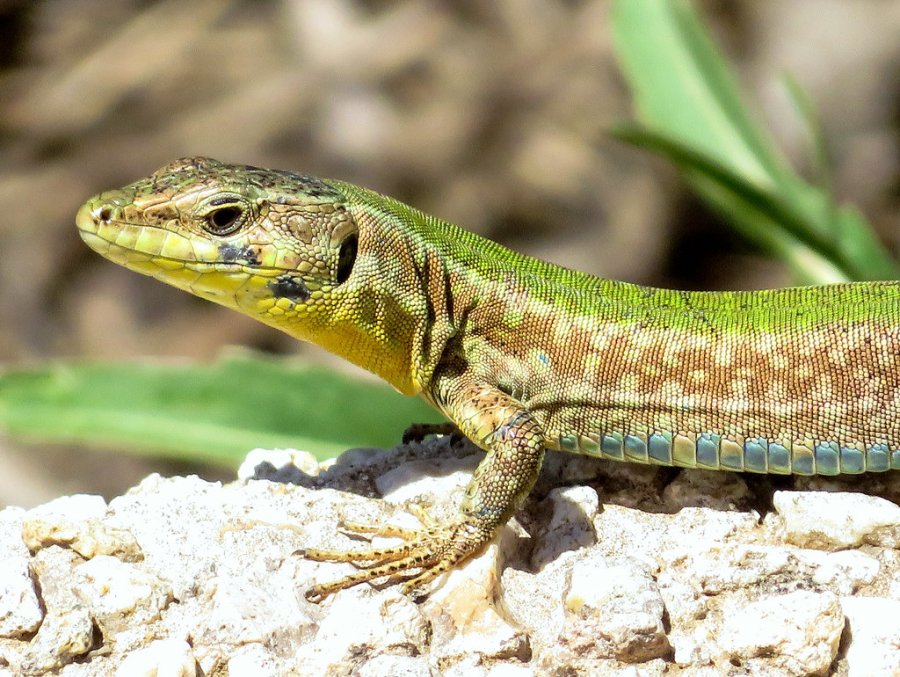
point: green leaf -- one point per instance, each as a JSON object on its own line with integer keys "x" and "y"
{"x": 821, "y": 160}
{"x": 756, "y": 213}
{"x": 213, "y": 412}
{"x": 681, "y": 85}
{"x": 692, "y": 112}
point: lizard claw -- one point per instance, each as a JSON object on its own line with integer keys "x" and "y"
{"x": 423, "y": 556}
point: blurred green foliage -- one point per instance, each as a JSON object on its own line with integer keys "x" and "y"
{"x": 692, "y": 113}
{"x": 205, "y": 412}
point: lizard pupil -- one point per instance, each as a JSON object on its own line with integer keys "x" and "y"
{"x": 346, "y": 258}
{"x": 224, "y": 221}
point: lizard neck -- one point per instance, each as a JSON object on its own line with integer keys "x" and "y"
{"x": 393, "y": 316}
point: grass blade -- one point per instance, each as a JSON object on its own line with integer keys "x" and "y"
{"x": 212, "y": 412}
{"x": 692, "y": 112}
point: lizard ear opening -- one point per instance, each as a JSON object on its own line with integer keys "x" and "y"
{"x": 346, "y": 258}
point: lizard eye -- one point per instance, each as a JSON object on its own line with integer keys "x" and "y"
{"x": 224, "y": 221}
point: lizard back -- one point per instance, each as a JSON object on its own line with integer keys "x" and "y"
{"x": 803, "y": 380}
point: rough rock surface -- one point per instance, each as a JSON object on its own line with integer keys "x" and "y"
{"x": 607, "y": 569}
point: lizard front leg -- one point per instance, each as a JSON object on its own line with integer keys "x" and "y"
{"x": 514, "y": 443}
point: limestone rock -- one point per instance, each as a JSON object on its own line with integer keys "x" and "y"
{"x": 636, "y": 571}
{"x": 798, "y": 632}
{"x": 834, "y": 520}
{"x": 20, "y": 609}
{"x": 874, "y": 625}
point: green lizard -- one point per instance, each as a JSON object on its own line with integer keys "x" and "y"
{"x": 521, "y": 355}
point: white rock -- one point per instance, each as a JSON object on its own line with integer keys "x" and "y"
{"x": 357, "y": 623}
{"x": 280, "y": 464}
{"x": 426, "y": 479}
{"x": 694, "y": 645}
{"x": 73, "y": 508}
{"x": 486, "y": 634}
{"x": 713, "y": 568}
{"x": 250, "y": 608}
{"x": 874, "y": 624}
{"x": 844, "y": 571}
{"x": 618, "y": 600}
{"x": 700, "y": 671}
{"x": 510, "y": 670}
{"x": 533, "y": 601}
{"x": 161, "y": 658}
{"x": 571, "y": 525}
{"x": 697, "y": 529}
{"x": 118, "y": 593}
{"x": 891, "y": 561}
{"x": 227, "y": 554}
{"x": 61, "y": 639}
{"x": 684, "y": 602}
{"x": 20, "y": 609}
{"x": 469, "y": 666}
{"x": 799, "y": 631}
{"x": 395, "y": 666}
{"x": 253, "y": 659}
{"x": 628, "y": 532}
{"x": 67, "y": 631}
{"x": 831, "y": 520}
{"x": 361, "y": 622}
{"x": 181, "y": 524}
{"x": 462, "y": 614}
{"x": 76, "y": 522}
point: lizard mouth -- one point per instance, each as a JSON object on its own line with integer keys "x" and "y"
{"x": 138, "y": 260}
{"x": 176, "y": 260}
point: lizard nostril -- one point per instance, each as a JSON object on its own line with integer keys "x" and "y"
{"x": 105, "y": 213}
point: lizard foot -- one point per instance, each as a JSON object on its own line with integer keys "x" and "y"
{"x": 424, "y": 555}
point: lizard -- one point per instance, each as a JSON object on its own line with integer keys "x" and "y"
{"x": 521, "y": 355}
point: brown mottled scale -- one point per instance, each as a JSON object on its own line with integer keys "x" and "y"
{"x": 521, "y": 355}
{"x": 774, "y": 381}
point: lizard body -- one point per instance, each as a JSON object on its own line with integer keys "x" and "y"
{"x": 520, "y": 354}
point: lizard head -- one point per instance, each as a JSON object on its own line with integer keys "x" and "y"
{"x": 268, "y": 243}
{"x": 290, "y": 250}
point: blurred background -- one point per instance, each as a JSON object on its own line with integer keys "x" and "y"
{"x": 492, "y": 115}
